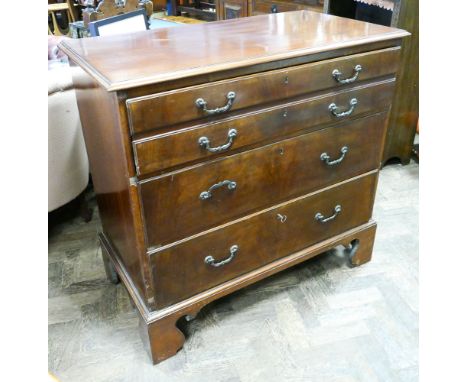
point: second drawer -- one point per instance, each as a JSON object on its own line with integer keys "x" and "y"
{"x": 192, "y": 200}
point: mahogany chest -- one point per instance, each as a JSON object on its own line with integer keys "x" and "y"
{"x": 220, "y": 161}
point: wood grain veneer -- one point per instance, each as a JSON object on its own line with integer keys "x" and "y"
{"x": 168, "y": 108}
{"x": 261, "y": 238}
{"x": 305, "y": 158}
{"x": 172, "y": 147}
{"x": 265, "y": 176}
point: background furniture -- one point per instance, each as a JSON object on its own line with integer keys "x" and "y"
{"x": 232, "y": 9}
{"x": 202, "y": 10}
{"x": 62, "y": 11}
{"x": 61, "y": 14}
{"x": 79, "y": 31}
{"x": 203, "y": 187}
{"x": 180, "y": 20}
{"x": 68, "y": 162}
{"x": 109, "y": 8}
{"x": 405, "y": 109}
{"x": 211, "y": 10}
{"x": 258, "y": 7}
{"x": 135, "y": 21}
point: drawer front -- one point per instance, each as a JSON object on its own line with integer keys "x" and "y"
{"x": 187, "y": 202}
{"x": 164, "y": 109}
{"x": 173, "y": 148}
{"x": 183, "y": 270}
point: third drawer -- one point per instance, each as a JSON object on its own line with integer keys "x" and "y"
{"x": 186, "y": 202}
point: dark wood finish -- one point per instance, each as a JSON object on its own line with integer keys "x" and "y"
{"x": 156, "y": 230}
{"x": 184, "y": 82}
{"x": 109, "y": 151}
{"x": 231, "y": 9}
{"x": 157, "y": 57}
{"x": 164, "y": 109}
{"x": 261, "y": 238}
{"x": 162, "y": 339}
{"x": 175, "y": 147}
{"x": 265, "y": 176}
{"x": 405, "y": 110}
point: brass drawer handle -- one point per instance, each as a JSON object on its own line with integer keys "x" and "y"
{"x": 326, "y": 158}
{"x": 205, "y": 142}
{"x": 211, "y": 261}
{"x": 334, "y": 109}
{"x": 322, "y": 219}
{"x": 337, "y": 75}
{"x": 208, "y": 194}
{"x": 202, "y": 104}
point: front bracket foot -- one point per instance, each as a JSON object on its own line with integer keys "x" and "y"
{"x": 359, "y": 251}
{"x": 162, "y": 337}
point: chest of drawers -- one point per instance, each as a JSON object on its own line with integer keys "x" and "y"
{"x": 218, "y": 162}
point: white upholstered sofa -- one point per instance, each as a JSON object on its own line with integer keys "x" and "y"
{"x": 68, "y": 162}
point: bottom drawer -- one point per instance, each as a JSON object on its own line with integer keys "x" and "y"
{"x": 200, "y": 262}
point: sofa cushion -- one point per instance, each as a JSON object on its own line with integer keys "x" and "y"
{"x": 60, "y": 77}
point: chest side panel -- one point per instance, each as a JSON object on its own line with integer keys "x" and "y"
{"x": 108, "y": 146}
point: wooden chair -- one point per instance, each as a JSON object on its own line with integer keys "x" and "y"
{"x": 67, "y": 9}
{"x": 109, "y": 8}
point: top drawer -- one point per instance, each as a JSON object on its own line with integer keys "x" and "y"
{"x": 209, "y": 100}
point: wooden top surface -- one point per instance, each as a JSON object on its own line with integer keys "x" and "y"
{"x": 143, "y": 58}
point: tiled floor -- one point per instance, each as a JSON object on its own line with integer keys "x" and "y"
{"x": 320, "y": 321}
